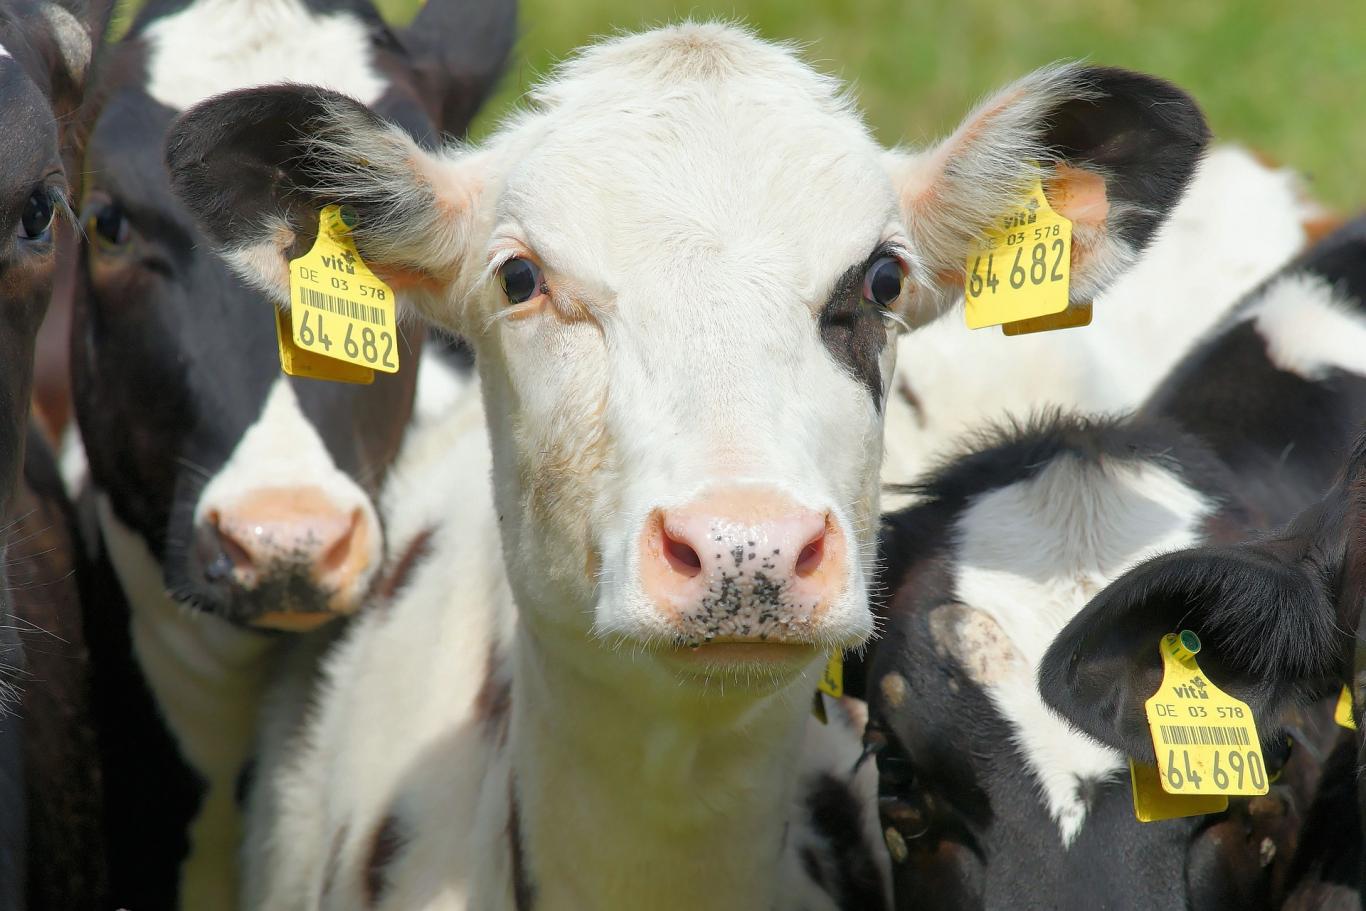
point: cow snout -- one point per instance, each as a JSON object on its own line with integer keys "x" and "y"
{"x": 743, "y": 564}
{"x": 304, "y": 557}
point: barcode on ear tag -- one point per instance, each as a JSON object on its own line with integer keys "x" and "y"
{"x": 1205, "y": 740}
{"x": 341, "y": 309}
{"x": 295, "y": 361}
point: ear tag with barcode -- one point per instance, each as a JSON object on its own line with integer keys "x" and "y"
{"x": 340, "y": 309}
{"x": 1205, "y": 740}
{"x": 1342, "y": 712}
{"x": 295, "y": 361}
{"x": 831, "y": 684}
{"x": 1021, "y": 267}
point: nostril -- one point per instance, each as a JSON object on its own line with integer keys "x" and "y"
{"x": 809, "y": 560}
{"x": 232, "y": 550}
{"x": 681, "y": 556}
{"x": 339, "y": 552}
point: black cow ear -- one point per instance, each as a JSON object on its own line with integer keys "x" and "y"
{"x": 1267, "y": 627}
{"x": 256, "y": 166}
{"x": 460, "y": 48}
{"x": 1114, "y": 149}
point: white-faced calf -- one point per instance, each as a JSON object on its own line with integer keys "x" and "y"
{"x": 234, "y": 502}
{"x": 989, "y": 797}
{"x": 678, "y": 270}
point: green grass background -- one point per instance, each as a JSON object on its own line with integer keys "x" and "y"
{"x": 1288, "y": 78}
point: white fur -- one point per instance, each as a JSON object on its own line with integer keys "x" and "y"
{"x": 1308, "y": 329}
{"x": 207, "y": 678}
{"x": 282, "y": 449}
{"x": 213, "y": 46}
{"x": 395, "y": 733}
{"x": 4, "y": 52}
{"x": 1201, "y": 263}
{"x": 1031, "y": 555}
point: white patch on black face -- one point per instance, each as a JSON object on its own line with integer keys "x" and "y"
{"x": 3, "y": 52}
{"x": 283, "y": 449}
{"x": 1308, "y": 330}
{"x": 1029, "y": 557}
{"x": 215, "y": 46}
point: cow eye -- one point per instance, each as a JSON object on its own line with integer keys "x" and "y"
{"x": 521, "y": 280}
{"x": 35, "y": 224}
{"x": 110, "y": 224}
{"x": 882, "y": 282}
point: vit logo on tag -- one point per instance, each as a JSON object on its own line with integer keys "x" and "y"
{"x": 1342, "y": 714}
{"x": 1021, "y": 267}
{"x": 1205, "y": 740}
{"x": 340, "y": 309}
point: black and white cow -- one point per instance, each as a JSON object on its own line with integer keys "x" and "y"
{"x": 989, "y": 798}
{"x": 677, "y": 270}
{"x": 50, "y": 851}
{"x": 1279, "y": 615}
{"x": 234, "y": 503}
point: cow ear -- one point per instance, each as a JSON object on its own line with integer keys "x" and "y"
{"x": 255, "y": 167}
{"x": 1114, "y": 149}
{"x": 459, "y": 49}
{"x": 1267, "y": 626}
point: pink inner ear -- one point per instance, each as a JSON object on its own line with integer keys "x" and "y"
{"x": 1078, "y": 195}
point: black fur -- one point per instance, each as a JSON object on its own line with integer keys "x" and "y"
{"x": 1143, "y": 134}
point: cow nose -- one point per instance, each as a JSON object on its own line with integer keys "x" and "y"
{"x": 292, "y": 535}
{"x": 742, "y": 563}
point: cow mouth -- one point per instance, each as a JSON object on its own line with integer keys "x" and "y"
{"x": 742, "y": 655}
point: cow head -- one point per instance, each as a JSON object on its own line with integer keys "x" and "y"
{"x": 682, "y": 269}
{"x": 988, "y": 798}
{"x": 45, "y": 53}
{"x": 252, "y": 491}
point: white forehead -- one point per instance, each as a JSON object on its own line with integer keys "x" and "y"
{"x": 215, "y": 46}
{"x": 696, "y": 141}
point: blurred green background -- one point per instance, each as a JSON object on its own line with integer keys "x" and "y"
{"x": 1288, "y": 78}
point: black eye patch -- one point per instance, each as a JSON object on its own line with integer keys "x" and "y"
{"x": 854, "y": 329}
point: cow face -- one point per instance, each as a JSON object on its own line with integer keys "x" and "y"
{"x": 252, "y": 490}
{"x": 681, "y": 271}
{"x": 988, "y": 798}
{"x": 44, "y": 54}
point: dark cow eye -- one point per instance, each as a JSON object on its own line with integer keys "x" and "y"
{"x": 36, "y": 221}
{"x": 521, "y": 280}
{"x": 110, "y": 224}
{"x": 882, "y": 281}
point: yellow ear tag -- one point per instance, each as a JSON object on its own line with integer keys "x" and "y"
{"x": 340, "y": 309}
{"x": 1075, "y": 316}
{"x": 1343, "y": 713}
{"x": 297, "y": 362}
{"x": 1205, "y": 740}
{"x": 831, "y": 684}
{"x": 1152, "y": 804}
{"x": 1021, "y": 267}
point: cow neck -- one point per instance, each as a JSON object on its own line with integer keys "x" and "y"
{"x": 632, "y": 791}
{"x": 207, "y": 678}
